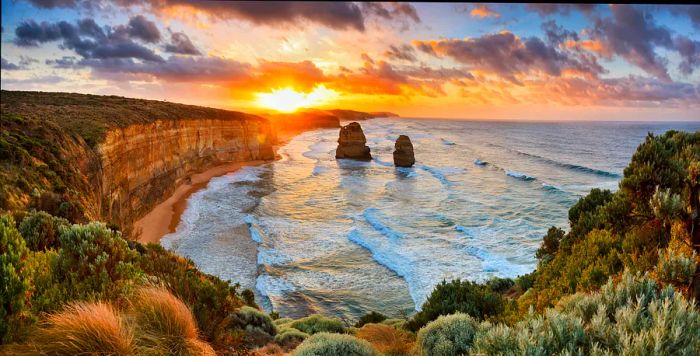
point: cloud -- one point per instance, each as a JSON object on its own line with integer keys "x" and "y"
{"x": 510, "y": 57}
{"x": 401, "y": 52}
{"x": 483, "y": 11}
{"x": 87, "y": 39}
{"x": 633, "y": 35}
{"x": 141, "y": 28}
{"x": 692, "y": 11}
{"x": 690, "y": 54}
{"x": 6, "y": 65}
{"x": 556, "y": 34}
{"x": 391, "y": 11}
{"x": 181, "y": 44}
{"x": 545, "y": 9}
{"x": 51, "y": 4}
{"x": 66, "y": 62}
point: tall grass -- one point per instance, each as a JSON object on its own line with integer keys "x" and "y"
{"x": 164, "y": 324}
{"x": 386, "y": 339}
{"x": 85, "y": 328}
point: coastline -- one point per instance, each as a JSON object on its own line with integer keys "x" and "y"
{"x": 165, "y": 217}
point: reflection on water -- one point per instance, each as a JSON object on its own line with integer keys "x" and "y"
{"x": 313, "y": 234}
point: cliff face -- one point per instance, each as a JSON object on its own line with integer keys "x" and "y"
{"x": 142, "y": 164}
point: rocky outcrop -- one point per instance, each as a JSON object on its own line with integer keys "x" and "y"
{"x": 142, "y": 164}
{"x": 403, "y": 152}
{"x": 352, "y": 143}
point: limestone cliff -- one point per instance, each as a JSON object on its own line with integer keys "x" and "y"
{"x": 108, "y": 158}
{"x": 143, "y": 164}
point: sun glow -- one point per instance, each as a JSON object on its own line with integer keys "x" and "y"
{"x": 289, "y": 100}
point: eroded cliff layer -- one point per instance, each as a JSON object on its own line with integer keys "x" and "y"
{"x": 142, "y": 164}
{"x": 108, "y": 158}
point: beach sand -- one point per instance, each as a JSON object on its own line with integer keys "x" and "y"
{"x": 164, "y": 217}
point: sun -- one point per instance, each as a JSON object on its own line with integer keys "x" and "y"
{"x": 290, "y": 100}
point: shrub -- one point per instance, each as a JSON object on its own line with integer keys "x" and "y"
{"x": 500, "y": 285}
{"x": 85, "y": 329}
{"x": 550, "y": 244}
{"x": 95, "y": 262}
{"x": 496, "y": 340}
{"x": 675, "y": 269}
{"x": 258, "y": 326}
{"x": 386, "y": 339}
{"x": 165, "y": 324}
{"x": 290, "y": 337}
{"x": 458, "y": 296}
{"x": 372, "y": 317}
{"x": 448, "y": 335}
{"x": 327, "y": 344}
{"x": 283, "y": 321}
{"x": 317, "y": 324}
{"x": 15, "y": 287}
{"x": 395, "y": 323}
{"x": 41, "y": 230}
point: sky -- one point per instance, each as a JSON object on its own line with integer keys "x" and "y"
{"x": 434, "y": 60}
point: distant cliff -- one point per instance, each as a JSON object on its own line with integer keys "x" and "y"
{"x": 88, "y": 157}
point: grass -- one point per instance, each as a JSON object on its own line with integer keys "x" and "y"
{"x": 386, "y": 339}
{"x": 85, "y": 328}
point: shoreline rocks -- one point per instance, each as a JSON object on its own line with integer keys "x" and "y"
{"x": 352, "y": 143}
{"x": 403, "y": 152}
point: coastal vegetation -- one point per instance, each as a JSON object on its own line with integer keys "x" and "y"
{"x": 622, "y": 278}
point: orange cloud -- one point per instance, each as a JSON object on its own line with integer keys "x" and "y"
{"x": 483, "y": 11}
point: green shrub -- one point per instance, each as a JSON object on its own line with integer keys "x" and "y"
{"x": 96, "y": 263}
{"x": 15, "y": 286}
{"x": 675, "y": 269}
{"x": 41, "y": 230}
{"x": 467, "y": 297}
{"x": 327, "y": 344}
{"x": 500, "y": 285}
{"x": 313, "y": 324}
{"x": 395, "y": 323}
{"x": 258, "y": 326}
{"x": 448, "y": 335}
{"x": 372, "y": 317}
{"x": 283, "y": 321}
{"x": 289, "y": 337}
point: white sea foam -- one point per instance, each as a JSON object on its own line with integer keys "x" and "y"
{"x": 519, "y": 175}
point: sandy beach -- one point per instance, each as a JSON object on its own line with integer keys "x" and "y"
{"x": 165, "y": 217}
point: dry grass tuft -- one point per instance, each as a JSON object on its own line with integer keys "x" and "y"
{"x": 165, "y": 324}
{"x": 386, "y": 339}
{"x": 85, "y": 328}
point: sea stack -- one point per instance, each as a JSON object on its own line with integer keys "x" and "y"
{"x": 352, "y": 143}
{"x": 403, "y": 152}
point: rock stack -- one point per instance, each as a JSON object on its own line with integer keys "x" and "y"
{"x": 403, "y": 152}
{"x": 352, "y": 143}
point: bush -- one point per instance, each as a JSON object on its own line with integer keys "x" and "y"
{"x": 165, "y": 324}
{"x": 258, "y": 326}
{"x": 447, "y": 336}
{"x": 675, "y": 269}
{"x": 467, "y": 297}
{"x": 372, "y": 317}
{"x": 290, "y": 337}
{"x": 500, "y": 285}
{"x": 327, "y": 344}
{"x": 41, "y": 230}
{"x": 96, "y": 263}
{"x": 318, "y": 324}
{"x": 386, "y": 339}
{"x": 395, "y": 323}
{"x": 85, "y": 329}
{"x": 15, "y": 286}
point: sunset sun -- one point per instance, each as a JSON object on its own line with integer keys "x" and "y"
{"x": 290, "y": 100}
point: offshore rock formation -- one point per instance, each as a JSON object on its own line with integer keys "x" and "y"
{"x": 352, "y": 143}
{"x": 403, "y": 152}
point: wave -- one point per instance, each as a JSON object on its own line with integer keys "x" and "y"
{"x": 318, "y": 170}
{"x": 570, "y": 166}
{"x": 479, "y": 162}
{"x": 518, "y": 175}
{"x": 255, "y": 231}
{"x": 382, "y": 163}
{"x": 442, "y": 173}
{"x": 447, "y": 142}
{"x": 495, "y": 263}
{"x": 370, "y": 215}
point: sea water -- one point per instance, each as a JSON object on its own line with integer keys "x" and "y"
{"x": 312, "y": 234}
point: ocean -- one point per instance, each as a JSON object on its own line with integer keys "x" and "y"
{"x": 312, "y": 234}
